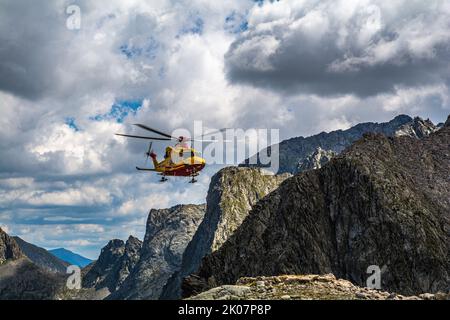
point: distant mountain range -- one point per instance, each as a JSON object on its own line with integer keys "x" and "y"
{"x": 70, "y": 257}
{"x": 303, "y": 153}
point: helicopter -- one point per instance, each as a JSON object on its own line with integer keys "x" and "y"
{"x": 180, "y": 160}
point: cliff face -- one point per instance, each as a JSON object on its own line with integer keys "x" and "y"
{"x": 167, "y": 235}
{"x": 116, "y": 261}
{"x": 296, "y": 150}
{"x": 385, "y": 202}
{"x": 9, "y": 249}
{"x": 232, "y": 193}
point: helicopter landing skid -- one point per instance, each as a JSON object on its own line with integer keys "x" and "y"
{"x": 193, "y": 180}
{"x": 163, "y": 179}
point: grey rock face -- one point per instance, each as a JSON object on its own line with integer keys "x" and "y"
{"x": 296, "y": 150}
{"x": 316, "y": 160}
{"x": 418, "y": 128}
{"x": 167, "y": 235}
{"x": 232, "y": 193}
{"x": 303, "y": 287}
{"x": 115, "y": 263}
{"x": 41, "y": 257}
{"x": 447, "y": 123}
{"x": 21, "y": 279}
{"x": 385, "y": 202}
{"x": 9, "y": 249}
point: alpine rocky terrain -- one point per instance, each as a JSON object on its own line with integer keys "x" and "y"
{"x": 356, "y": 200}
{"x": 231, "y": 195}
{"x": 303, "y": 287}
{"x": 384, "y": 201}
{"x": 167, "y": 235}
{"x": 117, "y": 259}
{"x": 9, "y": 249}
{"x": 295, "y": 154}
{"x": 22, "y": 279}
{"x": 41, "y": 257}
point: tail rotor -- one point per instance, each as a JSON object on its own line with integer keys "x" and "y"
{"x": 148, "y": 153}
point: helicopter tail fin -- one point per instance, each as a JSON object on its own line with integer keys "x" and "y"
{"x": 151, "y": 154}
{"x": 154, "y": 159}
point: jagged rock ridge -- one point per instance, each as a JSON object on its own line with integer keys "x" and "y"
{"x": 115, "y": 263}
{"x": 385, "y": 202}
{"x": 418, "y": 128}
{"x": 167, "y": 235}
{"x": 41, "y": 257}
{"x": 316, "y": 160}
{"x": 20, "y": 279}
{"x": 296, "y": 150}
{"x": 232, "y": 193}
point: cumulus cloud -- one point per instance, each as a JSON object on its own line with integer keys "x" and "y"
{"x": 300, "y": 66}
{"x": 363, "y": 47}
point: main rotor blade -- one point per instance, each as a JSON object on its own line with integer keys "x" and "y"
{"x": 142, "y": 126}
{"x": 141, "y": 137}
{"x": 211, "y": 133}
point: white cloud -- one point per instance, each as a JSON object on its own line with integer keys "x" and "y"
{"x": 79, "y": 189}
{"x": 327, "y": 47}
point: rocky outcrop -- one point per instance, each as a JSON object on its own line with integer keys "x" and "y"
{"x": 316, "y": 160}
{"x": 9, "y": 249}
{"x": 385, "y": 202}
{"x": 232, "y": 193}
{"x": 115, "y": 263}
{"x": 296, "y": 150}
{"x": 21, "y": 279}
{"x": 167, "y": 235}
{"x": 41, "y": 257}
{"x": 418, "y": 128}
{"x": 447, "y": 123}
{"x": 303, "y": 287}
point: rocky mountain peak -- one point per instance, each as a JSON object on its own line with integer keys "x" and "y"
{"x": 417, "y": 128}
{"x": 114, "y": 264}
{"x": 294, "y": 151}
{"x": 385, "y": 201}
{"x": 447, "y": 123}
{"x": 232, "y": 193}
{"x": 41, "y": 257}
{"x": 167, "y": 235}
{"x": 133, "y": 245}
{"x": 9, "y": 249}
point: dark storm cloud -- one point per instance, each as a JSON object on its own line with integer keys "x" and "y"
{"x": 30, "y": 35}
{"x": 324, "y": 50}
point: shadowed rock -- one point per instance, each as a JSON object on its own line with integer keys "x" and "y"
{"x": 384, "y": 201}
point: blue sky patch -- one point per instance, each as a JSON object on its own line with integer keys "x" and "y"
{"x": 147, "y": 50}
{"x": 120, "y": 110}
{"x": 195, "y": 25}
{"x": 236, "y": 23}
{"x": 72, "y": 124}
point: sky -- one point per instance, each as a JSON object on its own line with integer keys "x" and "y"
{"x": 68, "y": 82}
